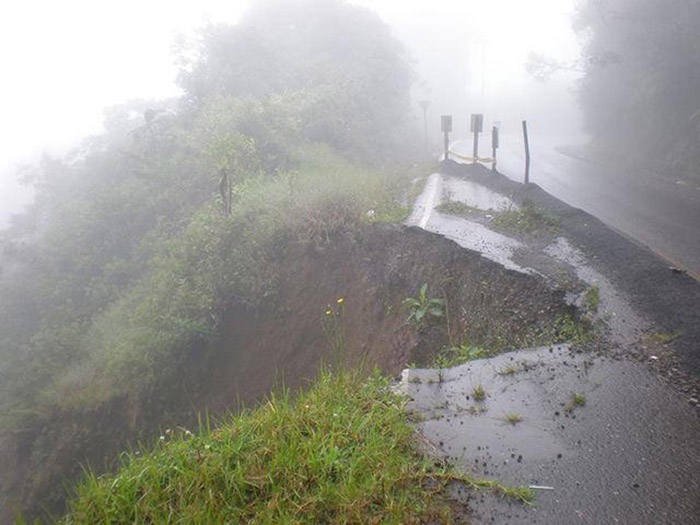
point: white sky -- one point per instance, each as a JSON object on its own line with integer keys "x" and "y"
{"x": 63, "y": 61}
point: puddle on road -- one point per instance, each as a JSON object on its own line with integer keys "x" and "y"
{"x": 626, "y": 325}
{"x": 467, "y": 430}
{"x": 628, "y": 453}
{"x": 475, "y": 195}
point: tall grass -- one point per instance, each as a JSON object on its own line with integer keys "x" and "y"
{"x": 343, "y": 452}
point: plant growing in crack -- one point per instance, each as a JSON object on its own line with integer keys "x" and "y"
{"x": 424, "y": 308}
{"x": 513, "y": 418}
{"x": 332, "y": 323}
{"x": 478, "y": 393}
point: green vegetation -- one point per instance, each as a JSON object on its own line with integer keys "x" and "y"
{"x": 527, "y": 219}
{"x": 458, "y": 355}
{"x": 456, "y": 208}
{"x": 143, "y": 239}
{"x": 661, "y": 338}
{"x": 592, "y": 298}
{"x": 332, "y": 323}
{"x": 423, "y": 308}
{"x": 478, "y": 393}
{"x": 343, "y": 452}
{"x": 513, "y": 418}
{"x": 510, "y": 370}
{"x": 569, "y": 330}
{"x": 578, "y": 399}
{"x": 639, "y": 103}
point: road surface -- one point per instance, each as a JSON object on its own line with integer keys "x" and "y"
{"x": 656, "y": 212}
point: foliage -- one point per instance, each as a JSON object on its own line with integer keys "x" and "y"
{"x": 337, "y": 63}
{"x": 526, "y": 219}
{"x": 424, "y": 308}
{"x": 592, "y": 298}
{"x": 125, "y": 265}
{"x": 456, "y": 208}
{"x": 641, "y": 89}
{"x": 458, "y": 355}
{"x": 479, "y": 393}
{"x": 333, "y": 327}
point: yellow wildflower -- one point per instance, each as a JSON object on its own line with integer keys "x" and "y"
{"x": 340, "y": 300}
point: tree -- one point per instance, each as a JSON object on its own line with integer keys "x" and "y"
{"x": 645, "y": 101}
{"x": 339, "y": 64}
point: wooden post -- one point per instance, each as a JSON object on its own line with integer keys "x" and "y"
{"x": 447, "y": 145}
{"x": 446, "y": 127}
{"x": 476, "y": 146}
{"x": 527, "y": 153}
{"x": 494, "y": 146}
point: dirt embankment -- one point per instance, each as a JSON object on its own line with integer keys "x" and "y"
{"x": 284, "y": 343}
{"x": 373, "y": 273}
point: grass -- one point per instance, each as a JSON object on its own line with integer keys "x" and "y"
{"x": 513, "y": 418}
{"x": 578, "y": 399}
{"x": 527, "y": 219}
{"x": 458, "y": 355}
{"x": 509, "y": 370}
{"x": 343, "y": 452}
{"x": 456, "y": 208}
{"x": 662, "y": 338}
{"x": 478, "y": 393}
{"x": 592, "y": 298}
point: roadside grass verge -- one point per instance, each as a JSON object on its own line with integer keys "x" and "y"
{"x": 457, "y": 208}
{"x": 342, "y": 452}
{"x": 528, "y": 219}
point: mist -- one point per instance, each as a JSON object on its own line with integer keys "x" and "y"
{"x": 205, "y": 204}
{"x": 64, "y": 68}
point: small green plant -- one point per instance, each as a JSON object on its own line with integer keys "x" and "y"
{"x": 423, "y": 307}
{"x": 569, "y": 330}
{"x": 456, "y": 208}
{"x": 478, "y": 393}
{"x": 513, "y": 418}
{"x": 527, "y": 219}
{"x": 509, "y": 370}
{"x": 661, "y": 338}
{"x": 458, "y": 355}
{"x": 592, "y": 298}
{"x": 577, "y": 400}
{"x": 440, "y": 363}
{"x": 332, "y": 323}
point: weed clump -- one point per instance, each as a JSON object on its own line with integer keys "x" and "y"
{"x": 528, "y": 219}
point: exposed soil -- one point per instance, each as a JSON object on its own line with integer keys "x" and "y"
{"x": 283, "y": 343}
{"x": 374, "y": 271}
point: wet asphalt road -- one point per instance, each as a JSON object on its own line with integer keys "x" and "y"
{"x": 628, "y": 455}
{"x": 656, "y": 212}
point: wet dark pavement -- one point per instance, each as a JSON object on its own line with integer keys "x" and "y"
{"x": 658, "y": 212}
{"x": 628, "y": 455}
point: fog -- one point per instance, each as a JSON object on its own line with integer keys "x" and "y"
{"x": 65, "y": 62}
